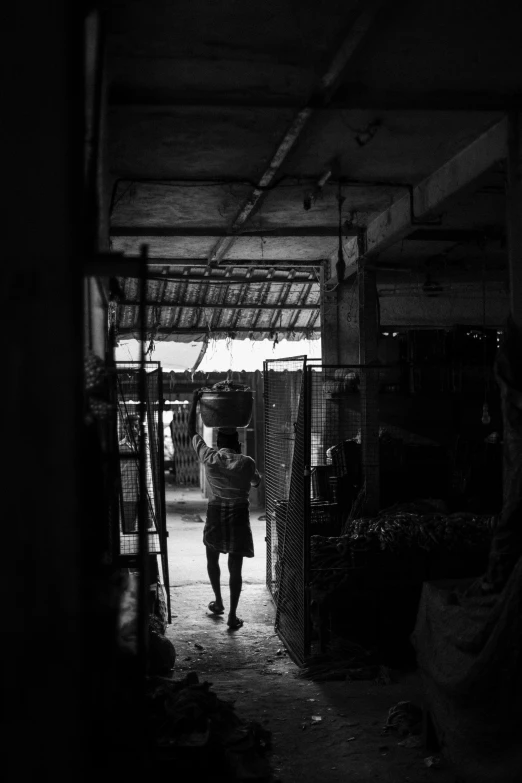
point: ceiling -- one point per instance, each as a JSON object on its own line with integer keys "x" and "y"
{"x": 234, "y": 127}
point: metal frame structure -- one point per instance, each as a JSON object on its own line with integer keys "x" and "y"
{"x": 307, "y": 423}
{"x": 152, "y": 467}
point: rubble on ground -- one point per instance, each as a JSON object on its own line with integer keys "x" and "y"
{"x": 405, "y": 718}
{"x": 190, "y": 725}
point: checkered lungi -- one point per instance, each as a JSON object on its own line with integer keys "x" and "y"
{"x": 227, "y": 528}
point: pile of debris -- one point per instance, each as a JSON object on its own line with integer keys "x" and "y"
{"x": 406, "y": 720}
{"x": 422, "y": 525}
{"x": 395, "y": 529}
{"x": 330, "y": 558}
{"x": 189, "y": 725}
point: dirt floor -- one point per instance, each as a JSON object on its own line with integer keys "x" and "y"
{"x": 322, "y": 732}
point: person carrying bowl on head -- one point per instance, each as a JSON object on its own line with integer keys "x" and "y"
{"x": 230, "y": 475}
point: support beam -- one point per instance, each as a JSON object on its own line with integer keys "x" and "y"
{"x": 217, "y": 231}
{"x": 214, "y": 306}
{"x": 118, "y": 265}
{"x": 329, "y": 83}
{"x": 329, "y": 323}
{"x": 368, "y": 314}
{"x": 348, "y": 97}
{"x": 456, "y": 235}
{"x": 229, "y": 280}
{"x": 514, "y": 216}
{"x": 287, "y": 263}
{"x": 339, "y": 322}
{"x": 369, "y": 389}
{"x": 430, "y": 195}
{"x": 224, "y": 244}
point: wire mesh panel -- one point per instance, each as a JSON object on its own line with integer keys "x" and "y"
{"x": 282, "y": 389}
{"x": 322, "y": 465}
{"x": 284, "y": 474}
{"x": 128, "y": 384}
{"x": 336, "y": 427}
{"x": 292, "y": 613}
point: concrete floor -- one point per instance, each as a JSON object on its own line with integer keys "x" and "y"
{"x": 251, "y": 667}
{"x": 191, "y": 593}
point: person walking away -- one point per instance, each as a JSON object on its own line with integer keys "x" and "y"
{"x": 227, "y": 531}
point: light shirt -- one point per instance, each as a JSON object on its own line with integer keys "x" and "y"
{"x": 229, "y": 474}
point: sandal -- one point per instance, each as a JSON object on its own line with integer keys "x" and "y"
{"x": 215, "y": 609}
{"x": 234, "y": 624}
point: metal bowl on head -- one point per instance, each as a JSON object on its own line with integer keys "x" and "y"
{"x": 226, "y": 408}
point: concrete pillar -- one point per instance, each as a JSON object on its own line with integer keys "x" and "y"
{"x": 369, "y": 388}
{"x": 350, "y": 335}
{"x": 506, "y": 546}
{"x": 340, "y": 346}
{"x": 339, "y": 321}
{"x": 514, "y": 216}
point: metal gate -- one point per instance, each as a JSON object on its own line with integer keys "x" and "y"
{"x": 128, "y": 395}
{"x": 284, "y": 479}
{"x": 321, "y": 452}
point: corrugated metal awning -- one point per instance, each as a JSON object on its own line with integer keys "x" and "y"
{"x": 238, "y": 302}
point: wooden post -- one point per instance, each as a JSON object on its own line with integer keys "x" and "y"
{"x": 369, "y": 387}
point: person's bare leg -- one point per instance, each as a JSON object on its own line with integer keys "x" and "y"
{"x": 235, "y": 565}
{"x": 214, "y": 574}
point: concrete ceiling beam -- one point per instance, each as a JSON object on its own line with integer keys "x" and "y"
{"x": 221, "y": 306}
{"x": 429, "y": 196}
{"x": 347, "y": 98}
{"x": 129, "y": 266}
{"x": 287, "y": 263}
{"x": 213, "y": 231}
{"x": 228, "y": 281}
{"x": 329, "y": 83}
{"x": 456, "y": 235}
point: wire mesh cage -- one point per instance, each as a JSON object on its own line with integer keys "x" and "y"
{"x": 282, "y": 388}
{"x": 341, "y": 444}
{"x": 344, "y": 431}
{"x": 318, "y": 453}
{"x": 284, "y": 474}
{"x": 128, "y": 389}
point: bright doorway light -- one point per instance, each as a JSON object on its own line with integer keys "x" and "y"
{"x": 220, "y": 355}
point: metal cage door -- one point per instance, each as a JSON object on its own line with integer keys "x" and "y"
{"x": 285, "y": 446}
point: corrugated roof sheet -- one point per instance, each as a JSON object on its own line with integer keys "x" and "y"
{"x": 240, "y": 302}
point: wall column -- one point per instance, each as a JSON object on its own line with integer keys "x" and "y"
{"x": 514, "y": 216}
{"x": 369, "y": 387}
{"x": 339, "y": 322}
